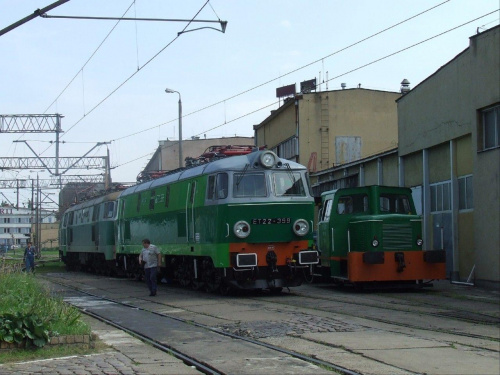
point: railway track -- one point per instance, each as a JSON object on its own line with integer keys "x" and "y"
{"x": 93, "y": 305}
{"x": 414, "y": 309}
{"x": 331, "y": 327}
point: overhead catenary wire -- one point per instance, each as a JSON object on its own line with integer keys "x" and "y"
{"x": 245, "y": 91}
{"x": 327, "y": 80}
{"x": 350, "y": 71}
{"x": 132, "y": 75}
{"x": 330, "y": 79}
{"x": 88, "y": 60}
{"x": 290, "y": 72}
{"x": 248, "y": 90}
{"x": 138, "y": 70}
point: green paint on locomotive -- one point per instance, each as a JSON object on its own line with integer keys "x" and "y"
{"x": 181, "y": 223}
{"x": 356, "y": 219}
{"x": 88, "y": 227}
{"x": 224, "y": 211}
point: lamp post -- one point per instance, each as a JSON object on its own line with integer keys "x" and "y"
{"x": 169, "y": 91}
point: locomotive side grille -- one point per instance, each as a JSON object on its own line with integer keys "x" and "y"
{"x": 397, "y": 236}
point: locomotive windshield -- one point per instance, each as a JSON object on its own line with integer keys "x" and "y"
{"x": 288, "y": 184}
{"x": 249, "y": 185}
{"x": 395, "y": 203}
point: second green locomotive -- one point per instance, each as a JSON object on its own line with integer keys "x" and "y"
{"x": 373, "y": 235}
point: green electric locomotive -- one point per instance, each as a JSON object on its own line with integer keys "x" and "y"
{"x": 238, "y": 222}
{"x": 369, "y": 235}
{"x": 87, "y": 235}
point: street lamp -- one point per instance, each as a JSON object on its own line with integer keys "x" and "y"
{"x": 169, "y": 91}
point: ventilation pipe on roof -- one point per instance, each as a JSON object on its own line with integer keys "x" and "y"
{"x": 405, "y": 86}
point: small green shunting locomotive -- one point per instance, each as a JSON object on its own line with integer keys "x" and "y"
{"x": 373, "y": 235}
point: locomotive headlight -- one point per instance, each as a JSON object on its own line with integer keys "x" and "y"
{"x": 241, "y": 229}
{"x": 301, "y": 227}
{"x": 419, "y": 242}
{"x": 375, "y": 242}
{"x": 268, "y": 159}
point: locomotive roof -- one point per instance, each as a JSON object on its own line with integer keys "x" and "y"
{"x": 233, "y": 163}
{"x": 91, "y": 202}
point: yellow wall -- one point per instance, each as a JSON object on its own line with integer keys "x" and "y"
{"x": 368, "y": 114}
{"x": 465, "y": 156}
{"x": 465, "y": 243}
{"x": 439, "y": 159}
{"x": 413, "y": 169}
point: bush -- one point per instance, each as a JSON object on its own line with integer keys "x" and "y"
{"x": 28, "y": 313}
{"x": 18, "y": 328}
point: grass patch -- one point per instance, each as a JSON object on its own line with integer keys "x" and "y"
{"x": 49, "y": 261}
{"x": 50, "y": 351}
{"x": 30, "y": 315}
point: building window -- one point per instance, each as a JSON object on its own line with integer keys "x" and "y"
{"x": 490, "y": 121}
{"x": 465, "y": 193}
{"x": 441, "y": 196}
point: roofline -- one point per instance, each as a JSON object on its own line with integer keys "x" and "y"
{"x": 352, "y": 163}
{"x": 449, "y": 62}
{"x": 299, "y": 96}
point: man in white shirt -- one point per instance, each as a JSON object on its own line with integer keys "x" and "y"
{"x": 152, "y": 260}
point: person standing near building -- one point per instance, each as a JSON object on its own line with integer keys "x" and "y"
{"x": 29, "y": 257}
{"x": 152, "y": 260}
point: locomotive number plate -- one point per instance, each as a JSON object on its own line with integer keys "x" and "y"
{"x": 275, "y": 220}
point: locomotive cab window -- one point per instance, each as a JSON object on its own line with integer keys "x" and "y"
{"x": 109, "y": 210}
{"x": 327, "y": 211}
{"x": 217, "y": 186}
{"x": 65, "y": 220}
{"x": 138, "y": 202}
{"x": 288, "y": 184}
{"x": 352, "y": 204}
{"x": 249, "y": 185}
{"x": 395, "y": 204}
{"x": 152, "y": 200}
{"x": 95, "y": 213}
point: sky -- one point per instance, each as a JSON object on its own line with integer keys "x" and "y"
{"x": 108, "y": 77}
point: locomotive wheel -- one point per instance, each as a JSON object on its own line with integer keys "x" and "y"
{"x": 196, "y": 285}
{"x": 211, "y": 277}
{"x": 225, "y": 288}
{"x": 184, "y": 274}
